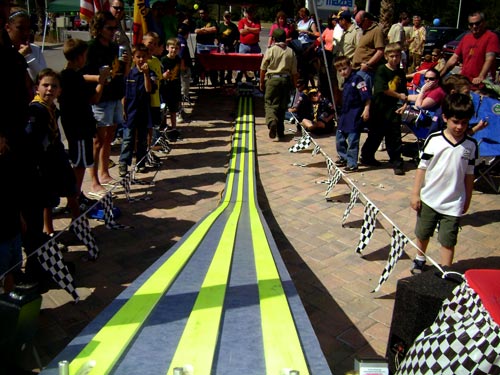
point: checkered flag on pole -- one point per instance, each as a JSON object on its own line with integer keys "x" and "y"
{"x": 51, "y": 260}
{"x": 303, "y": 143}
{"x": 352, "y": 202}
{"x": 330, "y": 166}
{"x": 398, "y": 243}
{"x": 464, "y": 339}
{"x": 81, "y": 228}
{"x": 316, "y": 150}
{"x": 162, "y": 141}
{"x": 125, "y": 182}
{"x": 109, "y": 220}
{"x": 369, "y": 221}
{"x": 333, "y": 181}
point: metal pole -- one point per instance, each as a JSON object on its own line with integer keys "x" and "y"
{"x": 367, "y": 5}
{"x": 459, "y": 8}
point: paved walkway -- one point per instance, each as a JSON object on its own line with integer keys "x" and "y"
{"x": 335, "y": 284}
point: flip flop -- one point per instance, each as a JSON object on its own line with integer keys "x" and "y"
{"x": 110, "y": 183}
{"x": 99, "y": 194}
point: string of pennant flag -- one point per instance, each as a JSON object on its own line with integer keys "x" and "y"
{"x": 398, "y": 239}
{"x": 50, "y": 256}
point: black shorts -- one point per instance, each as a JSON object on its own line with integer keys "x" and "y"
{"x": 81, "y": 152}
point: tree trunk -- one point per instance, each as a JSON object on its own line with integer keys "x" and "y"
{"x": 386, "y": 15}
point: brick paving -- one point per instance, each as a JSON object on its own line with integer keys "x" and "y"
{"x": 334, "y": 283}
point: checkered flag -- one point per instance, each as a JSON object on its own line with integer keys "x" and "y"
{"x": 303, "y": 143}
{"x": 369, "y": 221}
{"x": 125, "y": 182}
{"x": 109, "y": 220}
{"x": 330, "y": 166}
{"x": 464, "y": 339}
{"x": 398, "y": 243}
{"x": 81, "y": 228}
{"x": 316, "y": 150}
{"x": 51, "y": 260}
{"x": 333, "y": 181}
{"x": 352, "y": 202}
{"x": 162, "y": 141}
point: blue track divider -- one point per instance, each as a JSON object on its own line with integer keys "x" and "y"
{"x": 219, "y": 302}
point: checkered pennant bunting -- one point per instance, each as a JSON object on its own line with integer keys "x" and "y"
{"x": 316, "y": 150}
{"x": 107, "y": 202}
{"x": 81, "y": 228}
{"x": 303, "y": 143}
{"x": 369, "y": 221}
{"x": 162, "y": 141}
{"x": 333, "y": 181}
{"x": 151, "y": 160}
{"x": 51, "y": 260}
{"x": 463, "y": 339}
{"x": 126, "y": 182}
{"x": 330, "y": 166}
{"x": 398, "y": 243}
{"x": 352, "y": 202}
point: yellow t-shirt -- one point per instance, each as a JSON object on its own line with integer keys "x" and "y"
{"x": 155, "y": 66}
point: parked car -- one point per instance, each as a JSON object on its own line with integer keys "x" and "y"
{"x": 436, "y": 37}
{"x": 80, "y": 24}
{"x": 450, "y": 47}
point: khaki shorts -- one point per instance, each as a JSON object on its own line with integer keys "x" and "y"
{"x": 428, "y": 219}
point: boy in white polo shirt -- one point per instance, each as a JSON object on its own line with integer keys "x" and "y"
{"x": 444, "y": 180}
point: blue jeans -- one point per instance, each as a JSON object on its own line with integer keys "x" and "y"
{"x": 10, "y": 255}
{"x": 348, "y": 147}
{"x": 129, "y": 137}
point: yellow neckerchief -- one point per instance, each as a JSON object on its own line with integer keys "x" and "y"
{"x": 51, "y": 109}
{"x": 315, "y": 111}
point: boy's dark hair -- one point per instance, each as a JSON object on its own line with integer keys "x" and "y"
{"x": 342, "y": 61}
{"x": 74, "y": 48}
{"x": 459, "y": 106}
{"x": 47, "y": 72}
{"x": 139, "y": 47}
{"x": 456, "y": 82}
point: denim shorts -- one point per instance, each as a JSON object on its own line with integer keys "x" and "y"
{"x": 108, "y": 113}
{"x": 427, "y": 220}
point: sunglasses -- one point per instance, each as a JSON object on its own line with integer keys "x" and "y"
{"x": 430, "y": 78}
{"x": 119, "y": 9}
{"x": 472, "y": 24}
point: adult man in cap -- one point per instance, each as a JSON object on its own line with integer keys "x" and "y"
{"x": 370, "y": 48}
{"x": 350, "y": 36}
{"x": 477, "y": 50}
{"x": 278, "y": 75}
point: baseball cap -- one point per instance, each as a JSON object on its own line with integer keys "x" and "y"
{"x": 344, "y": 14}
{"x": 279, "y": 35}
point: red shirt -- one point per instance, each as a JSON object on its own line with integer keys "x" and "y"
{"x": 252, "y": 37}
{"x": 472, "y": 52}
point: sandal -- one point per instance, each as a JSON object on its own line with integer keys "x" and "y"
{"x": 99, "y": 194}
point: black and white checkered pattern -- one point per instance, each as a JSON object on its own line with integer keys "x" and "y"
{"x": 127, "y": 181}
{"x": 316, "y": 150}
{"x": 109, "y": 220}
{"x": 162, "y": 141}
{"x": 333, "y": 181}
{"x": 330, "y": 166}
{"x": 51, "y": 260}
{"x": 352, "y": 201}
{"x": 303, "y": 143}
{"x": 369, "y": 221}
{"x": 463, "y": 339}
{"x": 398, "y": 243}
{"x": 81, "y": 228}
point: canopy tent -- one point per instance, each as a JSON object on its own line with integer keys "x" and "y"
{"x": 63, "y": 6}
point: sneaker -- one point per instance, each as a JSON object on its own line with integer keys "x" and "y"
{"x": 370, "y": 162}
{"x": 111, "y": 163}
{"x": 417, "y": 267}
{"x": 350, "y": 169}
{"x": 399, "y": 169}
{"x": 340, "y": 162}
{"x": 122, "y": 170}
{"x": 117, "y": 141}
{"x": 142, "y": 169}
{"x": 273, "y": 128}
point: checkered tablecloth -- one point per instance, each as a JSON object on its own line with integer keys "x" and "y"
{"x": 463, "y": 339}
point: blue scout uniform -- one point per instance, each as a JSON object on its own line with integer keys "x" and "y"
{"x": 354, "y": 97}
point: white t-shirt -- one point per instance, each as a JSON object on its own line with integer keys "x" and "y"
{"x": 446, "y": 166}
